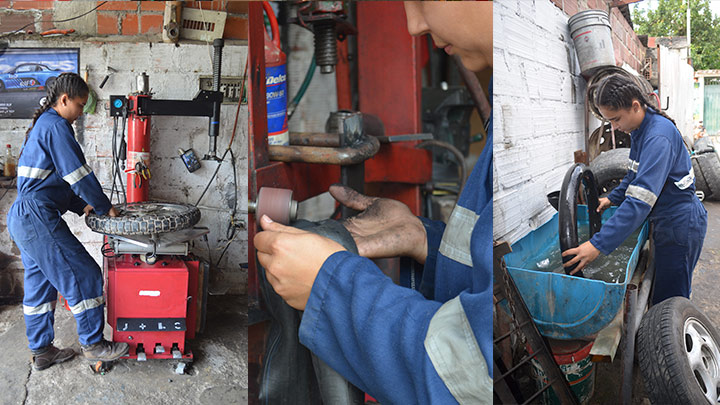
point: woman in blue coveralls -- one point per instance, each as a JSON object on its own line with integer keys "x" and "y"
{"x": 52, "y": 178}
{"x": 659, "y": 185}
{"x": 394, "y": 343}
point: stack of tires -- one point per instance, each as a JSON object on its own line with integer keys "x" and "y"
{"x": 706, "y": 164}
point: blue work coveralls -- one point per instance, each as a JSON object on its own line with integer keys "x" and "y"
{"x": 660, "y": 186}
{"x": 52, "y": 178}
{"x": 394, "y": 343}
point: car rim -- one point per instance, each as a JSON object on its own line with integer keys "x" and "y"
{"x": 703, "y": 354}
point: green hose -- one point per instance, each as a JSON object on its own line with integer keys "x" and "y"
{"x": 306, "y": 83}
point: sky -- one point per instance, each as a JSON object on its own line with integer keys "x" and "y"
{"x": 652, "y": 4}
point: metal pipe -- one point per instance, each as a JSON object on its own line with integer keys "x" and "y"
{"x": 358, "y": 153}
{"x": 315, "y": 139}
{"x": 629, "y": 350}
{"x": 214, "y": 129}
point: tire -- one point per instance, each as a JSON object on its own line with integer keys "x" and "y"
{"x": 678, "y": 354}
{"x": 703, "y": 145}
{"x": 2, "y": 87}
{"x": 709, "y": 164}
{"x": 609, "y": 168}
{"x": 145, "y": 218}
{"x": 700, "y": 182}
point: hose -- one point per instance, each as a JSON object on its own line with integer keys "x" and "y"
{"x": 301, "y": 92}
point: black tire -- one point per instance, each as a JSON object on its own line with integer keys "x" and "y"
{"x": 709, "y": 164}
{"x": 670, "y": 334}
{"x": 2, "y": 87}
{"x": 609, "y": 168}
{"x": 700, "y": 182}
{"x": 145, "y": 218}
{"x": 703, "y": 145}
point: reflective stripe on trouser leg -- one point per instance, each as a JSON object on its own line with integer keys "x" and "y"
{"x": 38, "y": 305}
{"x": 72, "y": 271}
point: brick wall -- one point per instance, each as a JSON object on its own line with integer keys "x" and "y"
{"x": 113, "y": 17}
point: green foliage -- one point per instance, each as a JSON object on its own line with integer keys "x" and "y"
{"x": 669, "y": 19}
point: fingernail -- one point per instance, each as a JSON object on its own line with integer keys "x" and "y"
{"x": 267, "y": 219}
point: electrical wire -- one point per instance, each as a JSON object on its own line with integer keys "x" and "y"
{"x": 303, "y": 88}
{"x": 53, "y": 21}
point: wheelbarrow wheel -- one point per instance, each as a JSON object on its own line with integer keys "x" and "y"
{"x": 678, "y": 354}
{"x": 145, "y": 218}
{"x": 609, "y": 168}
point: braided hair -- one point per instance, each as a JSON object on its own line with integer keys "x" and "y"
{"x": 67, "y": 83}
{"x": 618, "y": 92}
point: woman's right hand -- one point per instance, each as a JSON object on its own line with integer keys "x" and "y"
{"x": 604, "y": 203}
{"x": 384, "y": 227}
{"x": 113, "y": 212}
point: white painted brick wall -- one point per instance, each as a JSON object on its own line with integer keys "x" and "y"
{"x": 539, "y": 113}
{"x": 174, "y": 74}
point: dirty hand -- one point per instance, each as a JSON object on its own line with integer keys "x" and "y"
{"x": 292, "y": 259}
{"x": 604, "y": 203}
{"x": 384, "y": 227}
{"x": 113, "y": 212}
{"x": 584, "y": 254}
{"x": 88, "y": 209}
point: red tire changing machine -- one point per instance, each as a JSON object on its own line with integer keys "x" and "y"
{"x": 155, "y": 291}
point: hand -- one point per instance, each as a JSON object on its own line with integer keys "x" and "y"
{"x": 113, "y": 212}
{"x": 384, "y": 228}
{"x": 604, "y": 203}
{"x": 292, "y": 259}
{"x": 88, "y": 209}
{"x": 584, "y": 254}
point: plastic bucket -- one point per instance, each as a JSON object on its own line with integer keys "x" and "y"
{"x": 591, "y": 33}
{"x": 573, "y": 357}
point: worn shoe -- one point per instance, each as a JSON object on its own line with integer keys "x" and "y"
{"x": 105, "y": 351}
{"x": 45, "y": 358}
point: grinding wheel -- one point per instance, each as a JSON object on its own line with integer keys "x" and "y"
{"x": 276, "y": 203}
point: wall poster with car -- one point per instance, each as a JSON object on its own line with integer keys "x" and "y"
{"x": 25, "y": 73}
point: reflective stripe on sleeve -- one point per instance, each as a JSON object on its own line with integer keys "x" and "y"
{"x": 33, "y": 172}
{"x": 642, "y": 194}
{"x": 455, "y": 242}
{"x": 686, "y": 181}
{"x": 454, "y": 352}
{"x": 78, "y": 174}
{"x": 84, "y": 305}
{"x": 633, "y": 165}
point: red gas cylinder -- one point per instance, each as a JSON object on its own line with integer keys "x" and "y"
{"x": 275, "y": 84}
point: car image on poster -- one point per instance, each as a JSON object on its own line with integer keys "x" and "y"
{"x": 25, "y": 74}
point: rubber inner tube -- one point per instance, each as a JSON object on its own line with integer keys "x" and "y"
{"x": 567, "y": 210}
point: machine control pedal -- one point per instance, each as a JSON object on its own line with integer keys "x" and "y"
{"x": 141, "y": 356}
{"x": 159, "y": 348}
{"x": 176, "y": 354}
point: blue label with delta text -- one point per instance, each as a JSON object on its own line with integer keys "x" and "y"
{"x": 276, "y": 93}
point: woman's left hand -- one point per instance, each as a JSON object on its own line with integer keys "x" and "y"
{"x": 292, "y": 259}
{"x": 584, "y": 254}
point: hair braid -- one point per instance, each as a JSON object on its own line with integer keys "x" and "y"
{"x": 66, "y": 83}
{"x": 618, "y": 92}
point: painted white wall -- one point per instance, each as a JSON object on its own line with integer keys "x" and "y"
{"x": 174, "y": 74}
{"x": 676, "y": 88}
{"x": 538, "y": 105}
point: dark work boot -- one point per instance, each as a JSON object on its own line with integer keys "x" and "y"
{"x": 49, "y": 355}
{"x": 105, "y": 351}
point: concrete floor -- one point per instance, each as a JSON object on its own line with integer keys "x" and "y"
{"x": 219, "y": 374}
